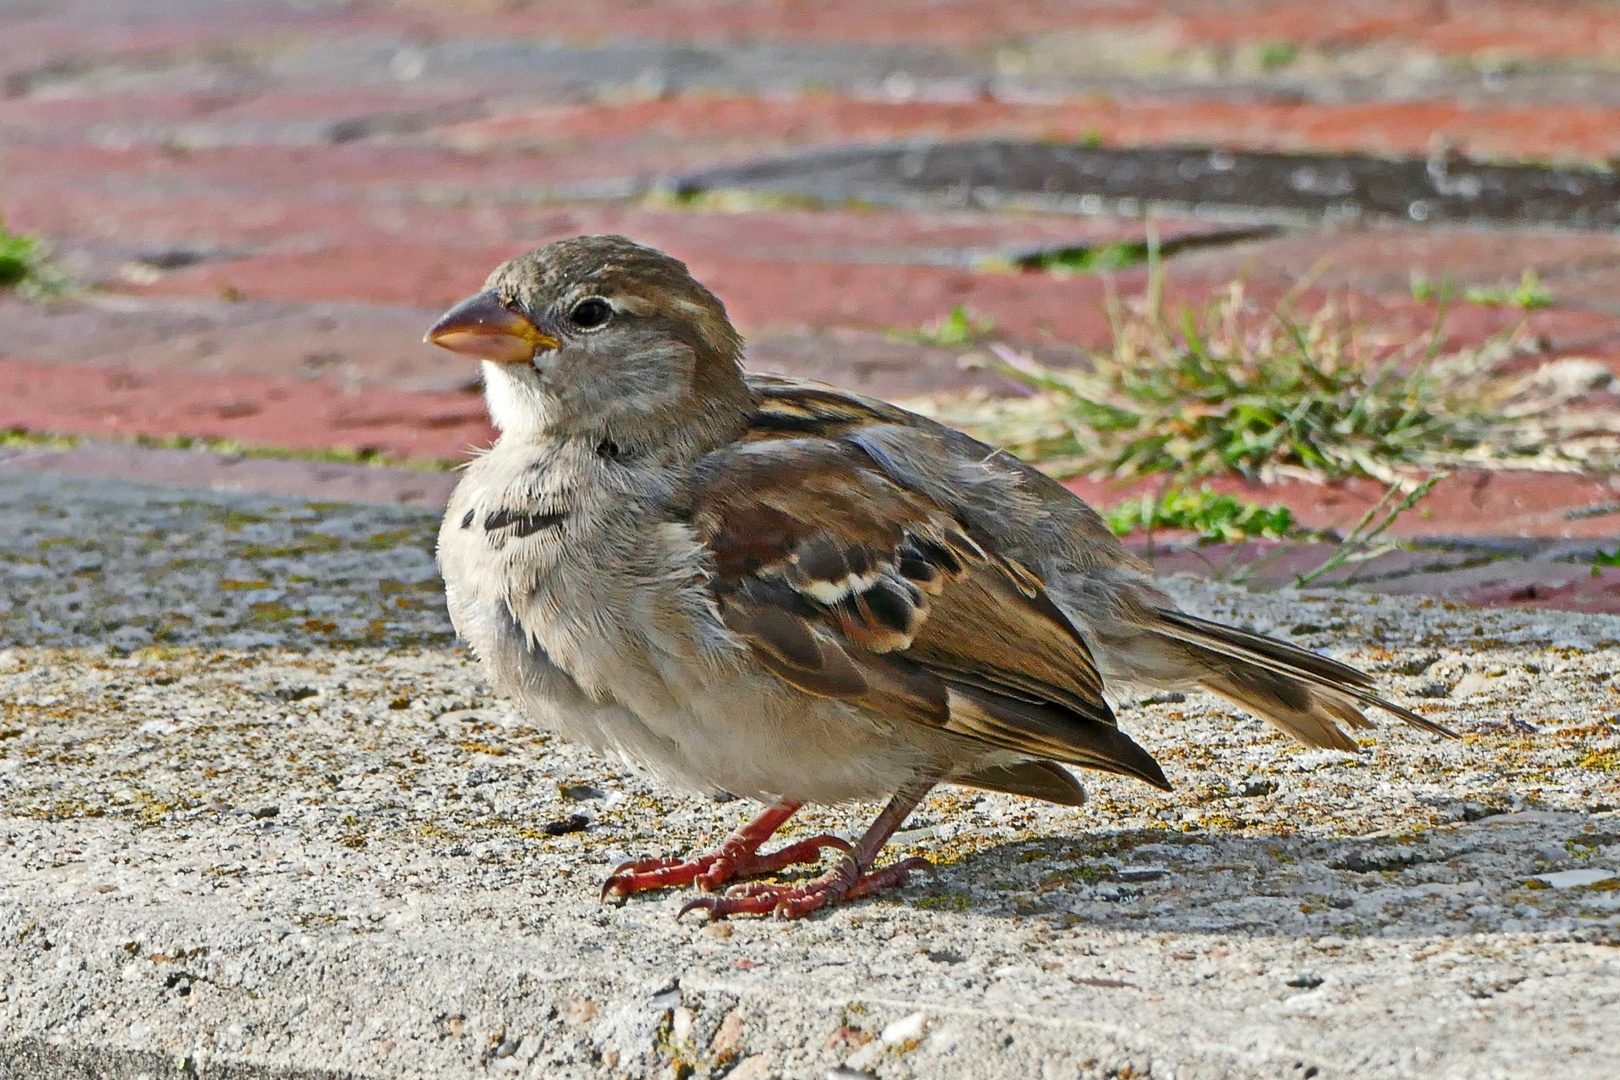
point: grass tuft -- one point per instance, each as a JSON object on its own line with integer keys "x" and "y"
{"x": 1227, "y": 389}
{"x": 26, "y": 267}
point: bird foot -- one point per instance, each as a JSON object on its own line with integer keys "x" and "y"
{"x": 845, "y": 882}
{"x": 709, "y": 872}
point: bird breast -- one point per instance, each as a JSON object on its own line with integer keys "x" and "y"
{"x": 573, "y": 548}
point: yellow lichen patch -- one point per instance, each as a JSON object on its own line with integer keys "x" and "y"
{"x": 272, "y": 611}
{"x": 1606, "y": 760}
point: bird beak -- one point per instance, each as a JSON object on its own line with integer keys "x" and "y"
{"x": 486, "y": 329}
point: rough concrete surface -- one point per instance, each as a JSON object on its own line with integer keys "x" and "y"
{"x": 259, "y": 817}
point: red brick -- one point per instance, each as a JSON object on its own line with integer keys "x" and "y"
{"x": 770, "y": 294}
{"x": 361, "y": 346}
{"x": 63, "y": 118}
{"x": 1505, "y": 28}
{"x": 1396, "y": 320}
{"x": 1542, "y": 132}
{"x": 1568, "y": 588}
{"x": 759, "y": 294}
{"x": 970, "y": 23}
{"x": 1512, "y": 29}
{"x": 398, "y": 273}
{"x": 353, "y": 346}
{"x": 285, "y": 223}
{"x": 107, "y": 402}
{"x": 396, "y": 172}
{"x": 1529, "y": 31}
{"x": 664, "y": 138}
{"x": 1383, "y": 258}
{"x": 808, "y": 120}
{"x": 32, "y": 40}
{"x": 159, "y": 119}
{"x": 1516, "y": 29}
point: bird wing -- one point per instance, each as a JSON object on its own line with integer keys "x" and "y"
{"x": 849, "y": 585}
{"x": 1132, "y": 623}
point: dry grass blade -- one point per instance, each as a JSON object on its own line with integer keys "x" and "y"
{"x": 1358, "y": 545}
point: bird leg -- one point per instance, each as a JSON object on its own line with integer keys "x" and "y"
{"x": 738, "y": 857}
{"x": 852, "y": 877}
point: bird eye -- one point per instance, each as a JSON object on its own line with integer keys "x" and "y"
{"x": 589, "y": 314}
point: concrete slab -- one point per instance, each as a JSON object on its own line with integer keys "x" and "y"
{"x": 262, "y": 848}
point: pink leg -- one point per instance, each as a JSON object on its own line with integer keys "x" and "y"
{"x": 738, "y": 857}
{"x": 853, "y": 876}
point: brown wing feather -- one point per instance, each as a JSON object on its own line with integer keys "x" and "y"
{"x": 848, "y": 585}
{"x": 1048, "y": 659}
{"x": 1032, "y": 779}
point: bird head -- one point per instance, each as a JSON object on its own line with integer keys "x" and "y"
{"x": 598, "y": 336}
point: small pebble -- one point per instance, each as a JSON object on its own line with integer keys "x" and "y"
{"x": 906, "y": 1029}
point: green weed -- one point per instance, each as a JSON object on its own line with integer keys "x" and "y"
{"x": 1423, "y": 289}
{"x": 1278, "y": 54}
{"x": 1095, "y": 259}
{"x": 23, "y": 439}
{"x": 1527, "y": 295}
{"x": 960, "y": 328}
{"x": 26, "y": 267}
{"x": 1212, "y": 515}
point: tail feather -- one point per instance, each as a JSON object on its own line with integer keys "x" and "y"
{"x": 1306, "y": 694}
{"x": 1307, "y": 714}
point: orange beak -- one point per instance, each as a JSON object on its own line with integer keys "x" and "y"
{"x": 486, "y": 329}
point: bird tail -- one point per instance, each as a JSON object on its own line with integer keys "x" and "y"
{"x": 1306, "y": 694}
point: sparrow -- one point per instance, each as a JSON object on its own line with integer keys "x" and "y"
{"x": 793, "y": 593}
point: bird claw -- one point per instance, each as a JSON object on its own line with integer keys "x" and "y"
{"x": 710, "y": 872}
{"x": 638, "y": 875}
{"x": 796, "y": 901}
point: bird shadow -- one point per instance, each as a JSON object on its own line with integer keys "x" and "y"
{"x": 1470, "y": 877}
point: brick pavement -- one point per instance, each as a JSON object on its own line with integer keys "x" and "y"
{"x": 270, "y": 200}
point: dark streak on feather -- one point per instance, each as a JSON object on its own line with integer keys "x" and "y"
{"x": 522, "y": 524}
